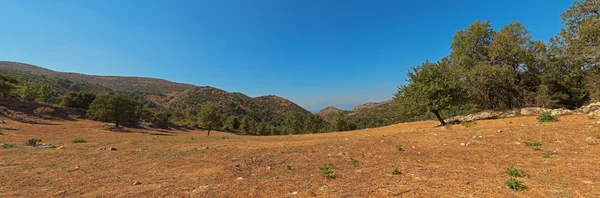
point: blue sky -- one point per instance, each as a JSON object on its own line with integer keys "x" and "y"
{"x": 315, "y": 52}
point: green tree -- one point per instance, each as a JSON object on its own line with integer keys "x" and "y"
{"x": 209, "y": 117}
{"x": 340, "y": 122}
{"x": 47, "y": 94}
{"x": 118, "y": 109}
{"x": 582, "y": 32}
{"x": 29, "y": 92}
{"x": 245, "y": 125}
{"x": 315, "y": 123}
{"x": 232, "y": 123}
{"x": 7, "y": 84}
{"x": 431, "y": 87}
{"x": 81, "y": 100}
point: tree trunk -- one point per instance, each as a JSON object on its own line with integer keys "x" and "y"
{"x": 437, "y": 114}
{"x": 208, "y": 134}
{"x": 117, "y": 123}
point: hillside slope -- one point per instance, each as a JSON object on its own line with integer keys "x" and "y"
{"x": 120, "y": 83}
{"x": 436, "y": 161}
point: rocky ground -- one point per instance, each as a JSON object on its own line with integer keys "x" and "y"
{"x": 82, "y": 159}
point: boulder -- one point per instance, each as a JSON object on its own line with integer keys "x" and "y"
{"x": 591, "y": 107}
{"x": 560, "y": 112}
{"x": 31, "y": 142}
{"x": 533, "y": 110}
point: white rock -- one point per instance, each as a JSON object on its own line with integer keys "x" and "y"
{"x": 295, "y": 193}
{"x": 137, "y": 183}
{"x": 240, "y": 178}
{"x": 462, "y": 144}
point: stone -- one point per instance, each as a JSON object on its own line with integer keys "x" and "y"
{"x": 463, "y": 144}
{"x": 62, "y": 192}
{"x": 523, "y": 125}
{"x": 295, "y": 193}
{"x": 590, "y": 140}
{"x": 499, "y": 131}
{"x": 560, "y": 112}
{"x": 468, "y": 143}
{"x": 137, "y": 183}
{"x": 46, "y": 146}
{"x": 205, "y": 147}
{"x": 108, "y": 149}
{"x": 533, "y": 110}
{"x": 558, "y": 151}
{"x": 445, "y": 144}
{"x": 31, "y": 142}
{"x": 324, "y": 188}
{"x": 61, "y": 147}
{"x": 143, "y": 149}
{"x": 201, "y": 189}
{"x": 591, "y": 107}
{"x": 480, "y": 137}
{"x": 268, "y": 167}
{"x": 240, "y": 178}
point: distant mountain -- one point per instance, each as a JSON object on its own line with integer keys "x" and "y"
{"x": 178, "y": 97}
{"x": 372, "y": 114}
{"x": 328, "y": 113}
{"x": 119, "y": 83}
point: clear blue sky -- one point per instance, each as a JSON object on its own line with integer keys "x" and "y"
{"x": 314, "y": 52}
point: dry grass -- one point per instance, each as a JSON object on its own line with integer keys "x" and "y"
{"x": 184, "y": 164}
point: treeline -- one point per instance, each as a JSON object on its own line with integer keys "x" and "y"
{"x": 507, "y": 69}
{"x": 131, "y": 108}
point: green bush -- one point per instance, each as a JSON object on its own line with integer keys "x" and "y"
{"x": 514, "y": 172}
{"x": 546, "y": 117}
{"x": 326, "y": 172}
{"x": 400, "y": 148}
{"x": 395, "y": 171}
{"x": 532, "y": 143}
{"x": 515, "y": 184}
{"x": 78, "y": 140}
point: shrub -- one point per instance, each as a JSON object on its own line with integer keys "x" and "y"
{"x": 547, "y": 155}
{"x": 38, "y": 139}
{"x": 326, "y": 172}
{"x": 469, "y": 123}
{"x": 354, "y": 162}
{"x": 288, "y": 167}
{"x": 546, "y": 117}
{"x": 78, "y": 140}
{"x": 514, "y": 172}
{"x": 395, "y": 171}
{"x": 400, "y": 148}
{"x": 8, "y": 145}
{"x": 515, "y": 184}
{"x": 532, "y": 143}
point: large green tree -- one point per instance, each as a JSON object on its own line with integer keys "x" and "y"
{"x": 7, "y": 84}
{"x": 431, "y": 87}
{"x": 81, "y": 100}
{"x": 47, "y": 94}
{"x": 118, "y": 108}
{"x": 209, "y": 117}
{"x": 315, "y": 123}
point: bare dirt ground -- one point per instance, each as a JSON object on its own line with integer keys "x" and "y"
{"x": 177, "y": 163}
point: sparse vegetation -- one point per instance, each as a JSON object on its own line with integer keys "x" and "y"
{"x": 537, "y": 148}
{"x": 6, "y": 146}
{"x": 312, "y": 193}
{"x": 469, "y": 123}
{"x": 78, "y": 140}
{"x": 546, "y": 117}
{"x": 354, "y": 162}
{"x": 514, "y": 172}
{"x": 547, "y": 154}
{"x": 326, "y": 172}
{"x": 38, "y": 139}
{"x": 400, "y": 148}
{"x": 289, "y": 167}
{"x": 515, "y": 184}
{"x": 395, "y": 171}
{"x": 536, "y": 144}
